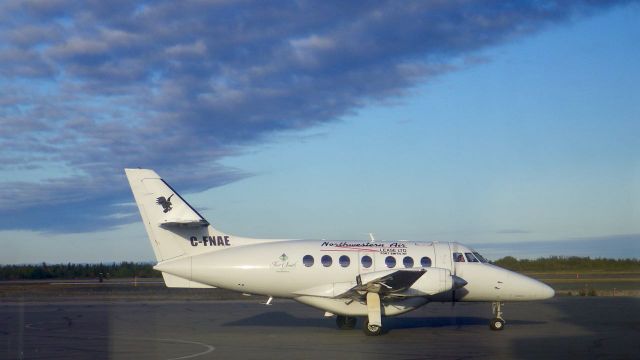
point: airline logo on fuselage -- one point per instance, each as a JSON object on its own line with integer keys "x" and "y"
{"x": 283, "y": 264}
{"x": 394, "y": 248}
{"x": 210, "y": 241}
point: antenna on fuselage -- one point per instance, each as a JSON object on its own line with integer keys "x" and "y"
{"x": 371, "y": 238}
{"x": 268, "y": 301}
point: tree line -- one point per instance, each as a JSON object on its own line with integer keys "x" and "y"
{"x": 77, "y": 271}
{"x": 568, "y": 263}
{"x": 141, "y": 269}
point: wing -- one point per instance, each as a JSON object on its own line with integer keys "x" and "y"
{"x": 385, "y": 285}
{"x": 389, "y": 284}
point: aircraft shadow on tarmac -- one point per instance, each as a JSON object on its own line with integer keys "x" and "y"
{"x": 280, "y": 319}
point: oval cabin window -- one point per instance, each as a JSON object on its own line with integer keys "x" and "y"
{"x": 390, "y": 261}
{"x": 307, "y": 260}
{"x": 326, "y": 261}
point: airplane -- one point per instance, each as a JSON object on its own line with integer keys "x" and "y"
{"x": 346, "y": 279}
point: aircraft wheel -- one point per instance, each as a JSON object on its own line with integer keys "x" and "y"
{"x": 345, "y": 322}
{"x": 496, "y": 324}
{"x": 371, "y": 330}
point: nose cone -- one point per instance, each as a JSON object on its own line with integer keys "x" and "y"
{"x": 525, "y": 288}
{"x": 545, "y": 291}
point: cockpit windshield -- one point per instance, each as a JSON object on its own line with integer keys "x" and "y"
{"x": 470, "y": 257}
{"x": 480, "y": 257}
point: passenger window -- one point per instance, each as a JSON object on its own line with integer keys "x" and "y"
{"x": 425, "y": 261}
{"x": 458, "y": 257}
{"x": 470, "y": 257}
{"x": 366, "y": 261}
{"x": 407, "y": 262}
{"x": 307, "y": 260}
{"x": 390, "y": 261}
{"x": 344, "y": 261}
{"x": 326, "y": 260}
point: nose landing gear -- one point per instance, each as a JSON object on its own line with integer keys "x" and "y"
{"x": 497, "y": 323}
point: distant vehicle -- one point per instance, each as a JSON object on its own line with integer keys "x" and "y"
{"x": 348, "y": 279}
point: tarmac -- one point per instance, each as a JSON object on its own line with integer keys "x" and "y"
{"x": 560, "y": 328}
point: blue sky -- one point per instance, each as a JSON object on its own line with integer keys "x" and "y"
{"x": 510, "y": 123}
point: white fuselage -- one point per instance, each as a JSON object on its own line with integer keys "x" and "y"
{"x": 278, "y": 268}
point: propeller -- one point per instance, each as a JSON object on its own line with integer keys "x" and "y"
{"x": 453, "y": 297}
{"x": 453, "y": 286}
{"x": 458, "y": 282}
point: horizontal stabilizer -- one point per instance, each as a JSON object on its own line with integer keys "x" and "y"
{"x": 184, "y": 223}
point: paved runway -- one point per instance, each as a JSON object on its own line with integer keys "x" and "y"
{"x": 564, "y": 327}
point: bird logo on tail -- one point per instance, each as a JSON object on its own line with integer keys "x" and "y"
{"x": 165, "y": 203}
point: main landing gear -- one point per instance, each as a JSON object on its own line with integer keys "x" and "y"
{"x": 346, "y": 322}
{"x": 371, "y": 329}
{"x": 373, "y": 323}
{"x": 497, "y": 323}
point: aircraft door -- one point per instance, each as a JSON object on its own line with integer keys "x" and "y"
{"x": 366, "y": 261}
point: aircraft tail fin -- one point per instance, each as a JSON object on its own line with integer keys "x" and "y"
{"x": 174, "y": 227}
